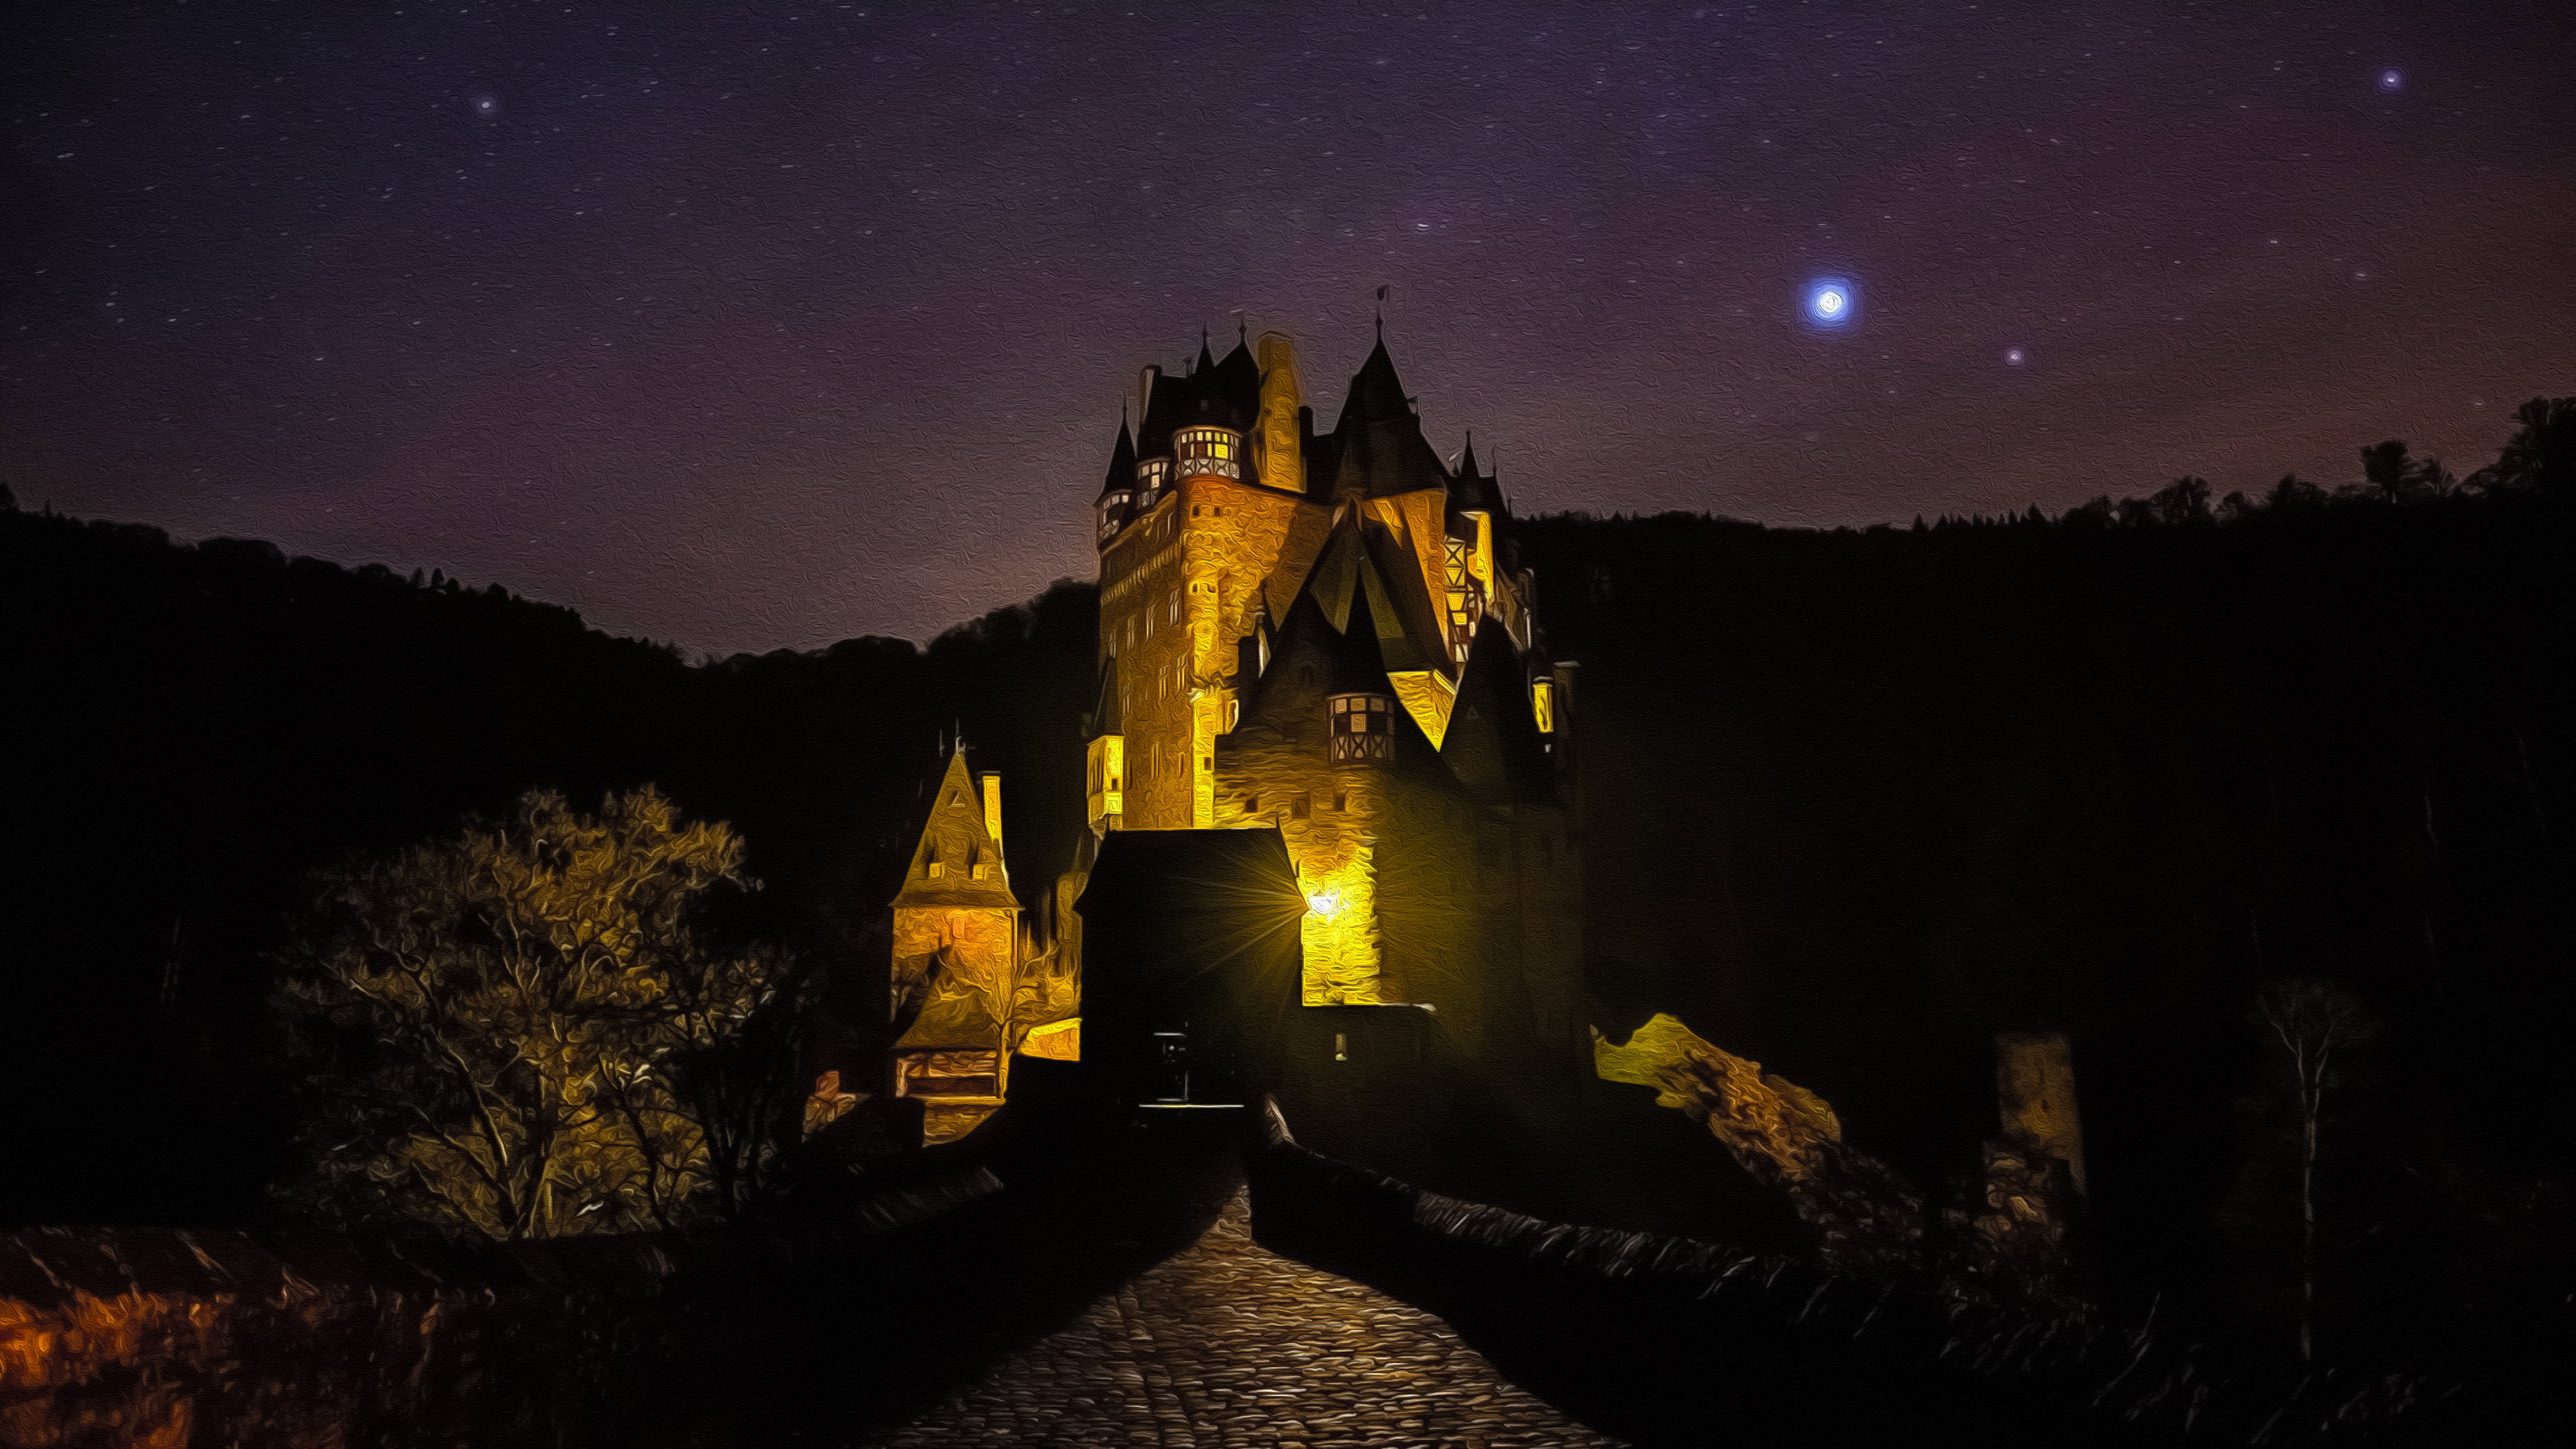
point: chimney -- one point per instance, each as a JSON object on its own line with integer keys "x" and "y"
{"x": 993, "y": 807}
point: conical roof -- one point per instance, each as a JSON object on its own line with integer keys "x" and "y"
{"x": 1108, "y": 717}
{"x": 1122, "y": 462}
{"x": 1377, "y": 394}
{"x": 1471, "y": 489}
{"x": 1493, "y": 744}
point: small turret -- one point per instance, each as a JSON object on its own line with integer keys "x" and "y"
{"x": 1118, "y": 490}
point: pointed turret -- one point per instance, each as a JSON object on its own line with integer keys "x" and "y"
{"x": 1471, "y": 490}
{"x": 1377, "y": 394}
{"x": 1117, "y": 501}
{"x": 1122, "y": 462}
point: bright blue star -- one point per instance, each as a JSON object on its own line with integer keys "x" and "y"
{"x": 1832, "y": 302}
{"x": 2391, "y": 79}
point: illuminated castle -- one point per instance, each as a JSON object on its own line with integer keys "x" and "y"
{"x": 1323, "y": 634}
{"x": 1319, "y": 640}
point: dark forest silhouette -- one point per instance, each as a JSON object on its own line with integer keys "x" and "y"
{"x": 1855, "y": 801}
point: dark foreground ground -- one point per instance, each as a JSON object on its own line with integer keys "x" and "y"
{"x": 1112, "y": 1293}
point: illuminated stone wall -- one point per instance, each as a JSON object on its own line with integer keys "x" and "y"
{"x": 984, "y": 962}
{"x": 1141, "y": 587}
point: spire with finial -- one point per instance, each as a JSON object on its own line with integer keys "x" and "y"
{"x": 1206, "y": 360}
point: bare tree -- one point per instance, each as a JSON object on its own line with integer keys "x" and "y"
{"x": 2312, "y": 1021}
{"x": 518, "y": 1031}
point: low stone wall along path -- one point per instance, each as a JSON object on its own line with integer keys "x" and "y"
{"x": 1228, "y": 1344}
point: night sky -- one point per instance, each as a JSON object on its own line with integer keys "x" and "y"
{"x": 752, "y": 326}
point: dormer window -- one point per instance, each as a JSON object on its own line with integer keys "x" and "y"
{"x": 1363, "y": 727}
{"x": 1113, "y": 512}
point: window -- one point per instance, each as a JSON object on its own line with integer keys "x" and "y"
{"x": 1251, "y": 804}
{"x": 1363, "y": 727}
{"x": 935, "y": 869}
{"x": 1341, "y": 801}
{"x": 1299, "y": 805}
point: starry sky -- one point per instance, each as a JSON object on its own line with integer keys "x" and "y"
{"x": 752, "y": 326}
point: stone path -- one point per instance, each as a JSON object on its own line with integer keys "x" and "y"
{"x": 1229, "y": 1344}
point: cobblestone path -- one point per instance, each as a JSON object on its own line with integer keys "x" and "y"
{"x": 1229, "y": 1344}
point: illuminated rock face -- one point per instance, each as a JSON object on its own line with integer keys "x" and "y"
{"x": 2035, "y": 1095}
{"x": 1865, "y": 1217}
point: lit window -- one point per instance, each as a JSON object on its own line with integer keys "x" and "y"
{"x": 1362, "y": 728}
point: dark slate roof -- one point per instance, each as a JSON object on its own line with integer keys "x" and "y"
{"x": 1493, "y": 744}
{"x": 1377, "y": 394}
{"x": 1106, "y": 717}
{"x": 1122, "y": 462}
{"x": 1378, "y": 447}
{"x": 1215, "y": 394}
{"x": 1361, "y": 559}
{"x": 1193, "y": 873}
{"x": 1353, "y": 663}
{"x": 1470, "y": 489}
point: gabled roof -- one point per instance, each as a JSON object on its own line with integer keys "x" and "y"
{"x": 954, "y": 835}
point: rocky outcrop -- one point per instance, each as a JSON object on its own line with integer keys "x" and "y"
{"x": 1866, "y": 1218}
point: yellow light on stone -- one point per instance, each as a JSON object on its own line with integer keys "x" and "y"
{"x": 1324, "y": 904}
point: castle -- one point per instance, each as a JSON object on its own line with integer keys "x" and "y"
{"x": 1320, "y": 637}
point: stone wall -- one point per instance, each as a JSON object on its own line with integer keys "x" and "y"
{"x": 1668, "y": 1340}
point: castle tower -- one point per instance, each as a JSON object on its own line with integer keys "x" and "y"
{"x": 958, "y": 956}
{"x": 1452, "y": 883}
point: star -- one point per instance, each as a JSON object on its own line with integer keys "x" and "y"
{"x": 2014, "y": 356}
{"x": 1832, "y": 302}
{"x": 2391, "y": 79}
